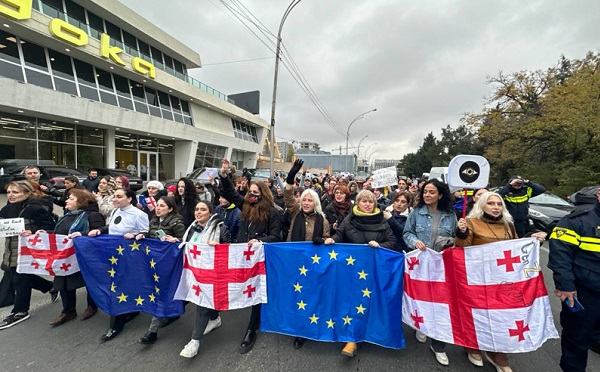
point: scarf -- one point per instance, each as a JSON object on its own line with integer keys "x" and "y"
{"x": 299, "y": 228}
{"x": 342, "y": 209}
{"x": 81, "y": 223}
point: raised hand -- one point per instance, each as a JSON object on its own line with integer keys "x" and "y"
{"x": 293, "y": 171}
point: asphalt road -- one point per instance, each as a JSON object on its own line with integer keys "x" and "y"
{"x": 75, "y": 346}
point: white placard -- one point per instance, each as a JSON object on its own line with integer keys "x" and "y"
{"x": 11, "y": 227}
{"x": 214, "y": 172}
{"x": 468, "y": 172}
{"x": 384, "y": 177}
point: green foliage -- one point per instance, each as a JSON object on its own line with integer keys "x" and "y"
{"x": 290, "y": 154}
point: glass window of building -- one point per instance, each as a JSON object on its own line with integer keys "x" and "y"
{"x": 114, "y": 32}
{"x": 85, "y": 73}
{"x": 109, "y": 98}
{"x": 55, "y": 131}
{"x": 96, "y": 25}
{"x": 39, "y": 79}
{"x": 144, "y": 48}
{"x": 34, "y": 56}
{"x": 17, "y": 148}
{"x": 176, "y": 104}
{"x": 185, "y": 107}
{"x": 90, "y": 157}
{"x": 126, "y": 141}
{"x": 104, "y": 79}
{"x": 148, "y": 143}
{"x": 90, "y": 136}
{"x": 75, "y": 11}
{"x": 122, "y": 86}
{"x": 130, "y": 43}
{"x": 168, "y": 61}
{"x": 11, "y": 71}
{"x": 52, "y": 7}
{"x": 8, "y": 48}
{"x": 60, "y": 153}
{"x": 157, "y": 55}
{"x": 17, "y": 126}
{"x": 66, "y": 86}
{"x": 61, "y": 65}
{"x": 178, "y": 66}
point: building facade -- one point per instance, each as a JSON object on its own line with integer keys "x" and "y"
{"x": 384, "y": 163}
{"x": 90, "y": 83}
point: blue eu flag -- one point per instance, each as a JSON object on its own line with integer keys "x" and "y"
{"x": 124, "y": 275}
{"x": 339, "y": 292}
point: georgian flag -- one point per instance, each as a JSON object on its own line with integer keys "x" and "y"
{"x": 489, "y": 297}
{"x": 223, "y": 277}
{"x": 47, "y": 254}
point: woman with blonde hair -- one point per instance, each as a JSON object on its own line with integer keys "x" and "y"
{"x": 104, "y": 196}
{"x": 489, "y": 221}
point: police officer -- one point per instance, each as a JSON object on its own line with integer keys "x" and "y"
{"x": 575, "y": 261}
{"x": 516, "y": 194}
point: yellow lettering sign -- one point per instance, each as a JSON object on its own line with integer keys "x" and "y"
{"x": 107, "y": 51}
{"x": 143, "y": 67}
{"x": 16, "y": 9}
{"x": 67, "y": 32}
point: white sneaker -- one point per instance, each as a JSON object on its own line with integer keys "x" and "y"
{"x": 212, "y": 324}
{"x": 191, "y": 349}
{"x": 475, "y": 359}
{"x": 441, "y": 357}
{"x": 421, "y": 337}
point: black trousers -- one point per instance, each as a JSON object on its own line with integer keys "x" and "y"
{"x": 254, "y": 318}
{"x": 24, "y": 283}
{"x": 579, "y": 330}
{"x": 69, "y": 301}
{"x": 522, "y": 227}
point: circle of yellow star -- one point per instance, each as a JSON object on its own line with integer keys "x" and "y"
{"x": 112, "y": 272}
{"x": 113, "y": 287}
{"x": 303, "y": 270}
{"x": 366, "y": 292}
{"x": 157, "y": 289}
{"x": 330, "y": 323}
{"x": 120, "y": 250}
{"x": 113, "y": 260}
{"x": 147, "y": 250}
{"x": 333, "y": 255}
{"x": 297, "y": 287}
{"x": 362, "y": 275}
{"x": 152, "y": 297}
{"x": 156, "y": 277}
{"x": 152, "y": 263}
{"x": 122, "y": 297}
{"x": 360, "y": 309}
{"x": 139, "y": 301}
{"x": 347, "y": 319}
{"x": 315, "y": 259}
{"x": 350, "y": 260}
{"x": 135, "y": 246}
{"x": 301, "y": 305}
{"x": 313, "y": 318}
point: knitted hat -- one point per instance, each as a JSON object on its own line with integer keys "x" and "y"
{"x": 156, "y": 184}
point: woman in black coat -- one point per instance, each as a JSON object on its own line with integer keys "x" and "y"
{"x": 186, "y": 198}
{"x": 23, "y": 203}
{"x": 81, "y": 217}
{"x": 396, "y": 215}
{"x": 260, "y": 222}
{"x": 364, "y": 225}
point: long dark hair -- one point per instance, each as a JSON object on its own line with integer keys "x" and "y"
{"x": 258, "y": 212}
{"x": 445, "y": 203}
{"x": 189, "y": 194}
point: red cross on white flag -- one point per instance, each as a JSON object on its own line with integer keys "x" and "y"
{"x": 489, "y": 297}
{"x": 223, "y": 277}
{"x": 47, "y": 254}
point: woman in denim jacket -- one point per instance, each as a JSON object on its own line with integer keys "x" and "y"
{"x": 432, "y": 220}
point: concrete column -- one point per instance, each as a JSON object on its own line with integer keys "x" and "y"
{"x": 185, "y": 154}
{"x": 109, "y": 145}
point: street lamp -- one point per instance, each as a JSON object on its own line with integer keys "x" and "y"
{"x": 368, "y": 157}
{"x": 277, "y": 54}
{"x": 358, "y": 150}
{"x": 348, "y": 134}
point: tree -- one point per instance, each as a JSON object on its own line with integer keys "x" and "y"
{"x": 290, "y": 153}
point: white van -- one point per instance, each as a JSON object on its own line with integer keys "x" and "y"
{"x": 441, "y": 173}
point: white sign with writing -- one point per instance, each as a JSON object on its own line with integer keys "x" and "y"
{"x": 384, "y": 177}
{"x": 11, "y": 227}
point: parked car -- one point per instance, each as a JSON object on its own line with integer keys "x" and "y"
{"x": 261, "y": 174}
{"x": 585, "y": 197}
{"x": 54, "y": 174}
{"x": 545, "y": 210}
{"x": 135, "y": 182}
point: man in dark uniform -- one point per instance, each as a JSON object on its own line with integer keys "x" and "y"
{"x": 516, "y": 194}
{"x": 575, "y": 261}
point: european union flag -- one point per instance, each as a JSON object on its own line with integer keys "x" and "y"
{"x": 124, "y": 275}
{"x": 338, "y": 292}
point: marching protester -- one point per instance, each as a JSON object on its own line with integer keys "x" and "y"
{"x": 104, "y": 197}
{"x": 128, "y": 221}
{"x": 575, "y": 262}
{"x": 186, "y": 199}
{"x": 121, "y": 182}
{"x": 339, "y": 207}
{"x": 308, "y": 222}
{"x": 23, "y": 203}
{"x": 92, "y": 181}
{"x": 432, "y": 224}
{"x": 230, "y": 215}
{"x": 260, "y": 222}
{"x": 71, "y": 183}
{"x": 364, "y": 225}
{"x": 396, "y": 216}
{"x": 516, "y": 194}
{"x": 210, "y": 229}
{"x": 353, "y": 188}
{"x": 166, "y": 224}
{"x": 81, "y": 217}
{"x": 488, "y": 222}
{"x": 148, "y": 199}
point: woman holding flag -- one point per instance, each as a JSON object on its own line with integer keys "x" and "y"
{"x": 82, "y": 216}
{"x": 260, "y": 222}
{"x": 207, "y": 228}
{"x": 489, "y": 221}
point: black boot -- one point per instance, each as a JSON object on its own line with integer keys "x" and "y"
{"x": 298, "y": 342}
{"x": 248, "y": 342}
{"x": 148, "y": 338}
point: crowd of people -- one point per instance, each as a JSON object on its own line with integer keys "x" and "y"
{"x": 323, "y": 209}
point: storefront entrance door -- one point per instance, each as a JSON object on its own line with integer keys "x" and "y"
{"x": 148, "y": 168}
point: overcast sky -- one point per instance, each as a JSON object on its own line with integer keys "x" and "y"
{"x": 421, "y": 64}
